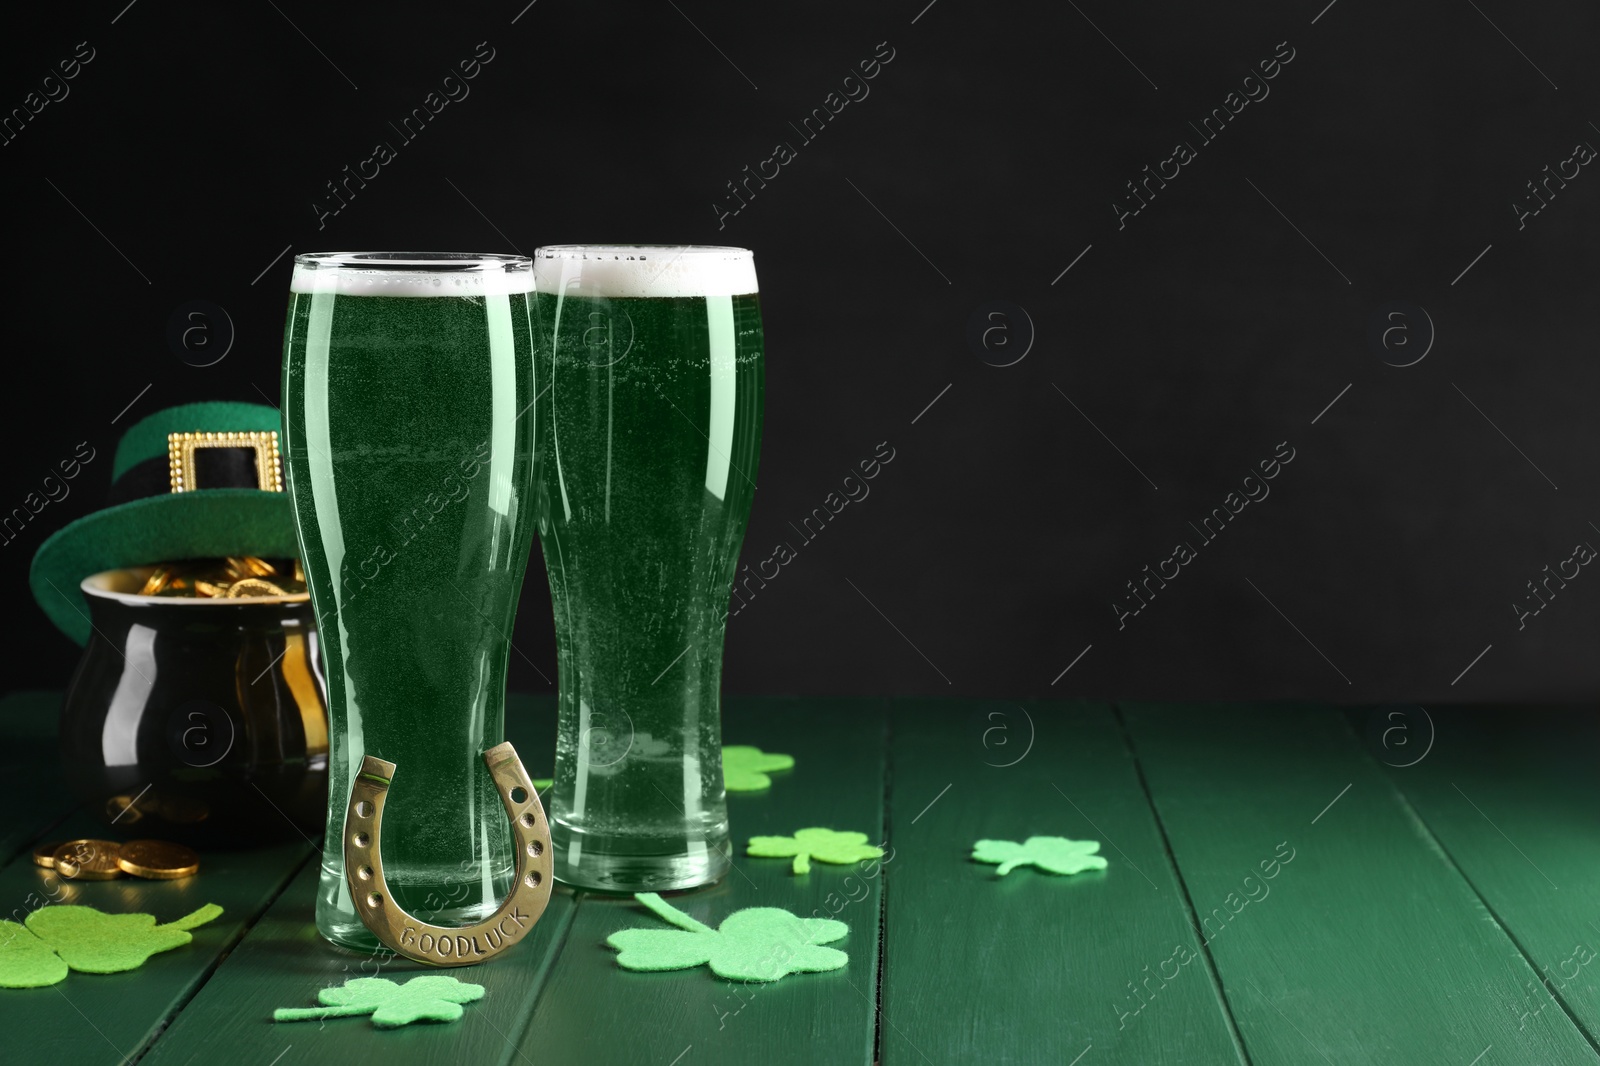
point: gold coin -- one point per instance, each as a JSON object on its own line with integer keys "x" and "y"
{"x": 218, "y": 578}
{"x": 45, "y": 855}
{"x": 88, "y": 860}
{"x": 157, "y": 859}
{"x": 120, "y": 807}
{"x": 250, "y": 566}
{"x": 156, "y": 581}
{"x": 252, "y": 586}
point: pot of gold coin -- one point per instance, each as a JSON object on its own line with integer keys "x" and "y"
{"x": 198, "y": 710}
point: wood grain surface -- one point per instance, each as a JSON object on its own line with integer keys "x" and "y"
{"x": 1367, "y": 946}
{"x": 1033, "y": 967}
{"x": 1284, "y": 887}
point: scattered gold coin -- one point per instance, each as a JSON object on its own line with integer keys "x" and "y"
{"x": 45, "y": 854}
{"x": 88, "y": 860}
{"x": 157, "y": 859}
{"x": 120, "y": 807}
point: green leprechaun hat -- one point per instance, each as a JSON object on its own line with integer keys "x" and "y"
{"x": 201, "y": 480}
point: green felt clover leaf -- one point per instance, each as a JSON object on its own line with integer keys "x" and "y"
{"x": 86, "y": 940}
{"x": 824, "y": 845}
{"x": 26, "y": 961}
{"x": 1058, "y": 855}
{"x": 542, "y": 783}
{"x": 745, "y": 768}
{"x": 754, "y": 944}
{"x": 429, "y": 998}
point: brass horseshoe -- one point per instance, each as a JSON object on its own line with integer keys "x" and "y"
{"x": 447, "y": 945}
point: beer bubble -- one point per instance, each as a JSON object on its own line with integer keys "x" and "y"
{"x": 606, "y": 739}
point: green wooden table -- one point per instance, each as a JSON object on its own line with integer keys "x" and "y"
{"x": 1277, "y": 893}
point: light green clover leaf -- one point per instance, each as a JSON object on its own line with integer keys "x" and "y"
{"x": 26, "y": 961}
{"x": 754, "y": 944}
{"x": 86, "y": 940}
{"x": 1058, "y": 855}
{"x": 430, "y": 998}
{"x": 745, "y": 768}
{"x": 824, "y": 845}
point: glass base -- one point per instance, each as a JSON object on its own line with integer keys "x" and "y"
{"x": 341, "y": 926}
{"x": 348, "y": 931}
{"x": 587, "y": 867}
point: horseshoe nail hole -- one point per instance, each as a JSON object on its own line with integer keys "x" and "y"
{"x": 365, "y": 873}
{"x": 519, "y": 795}
{"x": 363, "y": 809}
{"x": 374, "y": 900}
{"x": 526, "y": 819}
{"x": 535, "y": 848}
{"x": 361, "y": 840}
{"x": 533, "y": 879}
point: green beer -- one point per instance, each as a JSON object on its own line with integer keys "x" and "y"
{"x": 650, "y": 359}
{"x": 409, "y": 446}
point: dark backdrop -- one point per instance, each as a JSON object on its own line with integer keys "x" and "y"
{"x": 969, "y": 207}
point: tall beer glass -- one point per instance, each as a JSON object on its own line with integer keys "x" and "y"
{"x": 407, "y": 385}
{"x": 648, "y": 439}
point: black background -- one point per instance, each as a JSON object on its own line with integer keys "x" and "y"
{"x": 1177, "y": 352}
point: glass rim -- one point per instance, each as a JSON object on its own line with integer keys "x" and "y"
{"x": 416, "y": 262}
{"x": 635, "y": 252}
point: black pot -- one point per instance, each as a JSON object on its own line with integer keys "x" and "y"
{"x": 199, "y": 720}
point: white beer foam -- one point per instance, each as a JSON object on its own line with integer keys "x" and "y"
{"x": 634, "y": 270}
{"x": 393, "y": 279}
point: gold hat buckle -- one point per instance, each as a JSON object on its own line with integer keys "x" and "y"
{"x": 181, "y": 460}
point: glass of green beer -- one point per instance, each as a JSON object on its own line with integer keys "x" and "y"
{"x": 408, "y": 432}
{"x": 649, "y": 360}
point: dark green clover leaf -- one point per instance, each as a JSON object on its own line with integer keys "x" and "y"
{"x": 429, "y": 998}
{"x": 824, "y": 845}
{"x": 745, "y": 768}
{"x": 754, "y": 944}
{"x": 1058, "y": 855}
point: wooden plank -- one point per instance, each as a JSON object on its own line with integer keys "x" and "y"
{"x": 594, "y": 1011}
{"x": 30, "y": 716}
{"x": 1367, "y": 946}
{"x": 1032, "y": 967}
{"x": 1512, "y": 795}
{"x": 32, "y": 789}
{"x": 112, "y": 1017}
{"x": 283, "y": 962}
